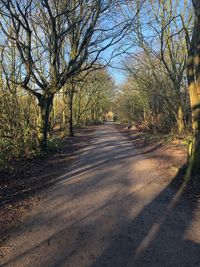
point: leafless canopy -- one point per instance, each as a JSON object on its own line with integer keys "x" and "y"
{"x": 58, "y": 39}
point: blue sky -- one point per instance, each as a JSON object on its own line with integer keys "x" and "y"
{"x": 118, "y": 76}
{"x": 116, "y": 64}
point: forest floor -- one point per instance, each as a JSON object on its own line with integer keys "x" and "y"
{"x": 22, "y": 182}
{"x": 107, "y": 199}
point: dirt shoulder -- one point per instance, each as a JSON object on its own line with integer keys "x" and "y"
{"x": 174, "y": 152}
{"x": 171, "y": 157}
{"x": 20, "y": 188}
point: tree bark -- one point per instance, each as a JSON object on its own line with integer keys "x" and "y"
{"x": 193, "y": 75}
{"x": 45, "y": 104}
{"x": 180, "y": 120}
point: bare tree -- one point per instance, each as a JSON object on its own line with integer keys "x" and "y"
{"x": 160, "y": 33}
{"x": 57, "y": 40}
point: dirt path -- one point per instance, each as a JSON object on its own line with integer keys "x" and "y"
{"x": 114, "y": 207}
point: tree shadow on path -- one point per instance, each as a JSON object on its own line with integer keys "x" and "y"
{"x": 159, "y": 236}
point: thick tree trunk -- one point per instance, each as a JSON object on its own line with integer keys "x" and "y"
{"x": 71, "y": 126}
{"x": 193, "y": 74}
{"x": 193, "y": 168}
{"x": 45, "y": 104}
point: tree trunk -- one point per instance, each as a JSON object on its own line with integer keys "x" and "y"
{"x": 79, "y": 112}
{"x": 71, "y": 128}
{"x": 193, "y": 75}
{"x": 45, "y": 104}
{"x": 180, "y": 120}
{"x": 193, "y": 168}
{"x": 63, "y": 124}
